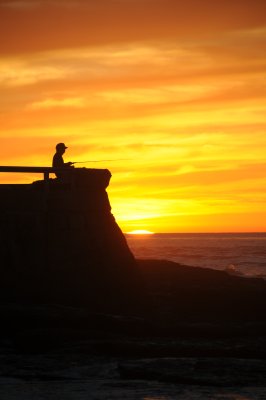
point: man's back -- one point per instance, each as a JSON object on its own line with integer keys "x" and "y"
{"x": 58, "y": 161}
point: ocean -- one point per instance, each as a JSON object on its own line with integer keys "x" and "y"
{"x": 238, "y": 253}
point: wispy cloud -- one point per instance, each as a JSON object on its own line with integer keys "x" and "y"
{"x": 15, "y": 72}
{"x": 74, "y": 102}
{"x": 20, "y": 4}
{"x": 33, "y": 4}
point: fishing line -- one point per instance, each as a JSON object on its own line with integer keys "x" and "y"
{"x": 96, "y": 161}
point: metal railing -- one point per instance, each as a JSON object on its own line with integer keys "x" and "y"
{"x": 44, "y": 170}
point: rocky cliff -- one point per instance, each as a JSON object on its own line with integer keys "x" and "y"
{"x": 60, "y": 242}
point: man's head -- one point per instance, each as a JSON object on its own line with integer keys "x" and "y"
{"x": 61, "y": 148}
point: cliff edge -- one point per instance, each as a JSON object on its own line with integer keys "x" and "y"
{"x": 60, "y": 242}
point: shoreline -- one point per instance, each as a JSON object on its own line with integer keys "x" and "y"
{"x": 237, "y": 254}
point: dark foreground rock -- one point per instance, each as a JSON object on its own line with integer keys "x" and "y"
{"x": 171, "y": 343}
{"x": 202, "y": 294}
{"x": 197, "y": 371}
{"x": 67, "y": 375}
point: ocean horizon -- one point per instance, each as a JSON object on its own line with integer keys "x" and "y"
{"x": 239, "y": 253}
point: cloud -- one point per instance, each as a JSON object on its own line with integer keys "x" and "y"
{"x": 34, "y": 4}
{"x": 33, "y": 26}
{"x": 72, "y": 102}
{"x": 23, "y": 4}
{"x": 202, "y": 65}
{"x": 16, "y": 72}
{"x": 111, "y": 63}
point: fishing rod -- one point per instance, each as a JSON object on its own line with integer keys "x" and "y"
{"x": 96, "y": 161}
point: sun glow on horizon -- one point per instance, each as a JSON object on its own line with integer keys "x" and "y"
{"x": 140, "y": 232}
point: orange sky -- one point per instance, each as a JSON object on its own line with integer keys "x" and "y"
{"x": 177, "y": 88}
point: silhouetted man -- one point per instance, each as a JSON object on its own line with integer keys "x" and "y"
{"x": 58, "y": 161}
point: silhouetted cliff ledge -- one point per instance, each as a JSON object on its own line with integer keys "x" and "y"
{"x": 61, "y": 243}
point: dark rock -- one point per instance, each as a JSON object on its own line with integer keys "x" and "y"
{"x": 198, "y": 371}
{"x": 202, "y": 294}
{"x": 60, "y": 243}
